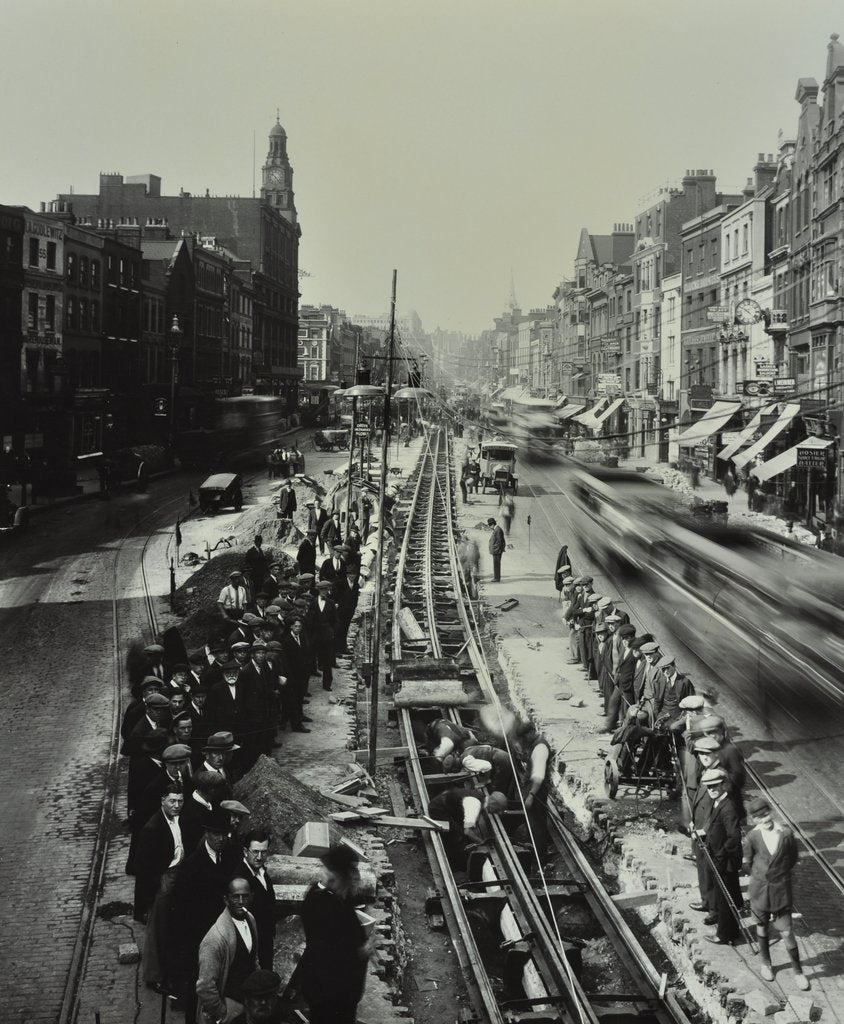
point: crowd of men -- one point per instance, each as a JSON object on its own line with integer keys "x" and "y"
{"x": 658, "y": 722}
{"x": 197, "y": 722}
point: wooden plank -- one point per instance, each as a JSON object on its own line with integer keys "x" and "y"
{"x": 396, "y": 799}
{"x": 424, "y": 824}
{"x": 383, "y": 753}
{"x": 636, "y": 898}
{"x": 345, "y": 801}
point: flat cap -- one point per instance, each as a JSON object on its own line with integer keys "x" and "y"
{"x": 324, "y": 585}
{"x": 626, "y": 630}
{"x": 694, "y": 702}
{"x": 241, "y": 645}
{"x": 259, "y": 645}
{"x": 252, "y": 620}
{"x": 706, "y": 745}
{"x": 176, "y": 752}
{"x": 758, "y": 807}
{"x": 605, "y": 602}
{"x": 578, "y": 580}
{"x": 612, "y": 618}
{"x": 274, "y": 645}
{"x": 666, "y": 662}
{"x": 711, "y": 722}
{"x": 272, "y": 609}
{"x": 649, "y": 648}
{"x": 150, "y": 681}
{"x": 231, "y": 665}
{"x": 712, "y": 776}
{"x": 234, "y": 807}
{"x": 476, "y": 765}
{"x": 261, "y": 983}
{"x": 237, "y": 572}
{"x": 153, "y": 649}
{"x": 156, "y": 700}
{"x": 307, "y": 577}
{"x": 593, "y": 599}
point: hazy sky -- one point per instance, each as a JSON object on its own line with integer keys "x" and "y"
{"x": 452, "y": 140}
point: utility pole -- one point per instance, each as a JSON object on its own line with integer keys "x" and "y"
{"x": 352, "y": 438}
{"x": 379, "y": 550}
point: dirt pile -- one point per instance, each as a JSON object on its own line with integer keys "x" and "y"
{"x": 280, "y": 803}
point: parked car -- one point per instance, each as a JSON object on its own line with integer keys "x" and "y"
{"x": 222, "y": 490}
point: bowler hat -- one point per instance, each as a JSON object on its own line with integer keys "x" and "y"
{"x": 155, "y": 742}
{"x": 220, "y": 742}
{"x": 261, "y": 983}
{"x": 339, "y": 859}
{"x": 217, "y": 820}
{"x": 490, "y": 521}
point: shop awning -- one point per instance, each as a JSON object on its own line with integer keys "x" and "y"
{"x": 587, "y": 418}
{"x": 788, "y": 459}
{"x": 788, "y": 411}
{"x": 728, "y": 451}
{"x": 605, "y": 415}
{"x": 567, "y": 412}
{"x": 710, "y": 423}
{"x": 561, "y": 401}
{"x": 513, "y": 394}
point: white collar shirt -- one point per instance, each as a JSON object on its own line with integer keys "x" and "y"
{"x": 245, "y": 932}
{"x": 178, "y": 845}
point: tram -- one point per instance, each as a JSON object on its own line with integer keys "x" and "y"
{"x": 239, "y": 431}
{"x": 535, "y": 428}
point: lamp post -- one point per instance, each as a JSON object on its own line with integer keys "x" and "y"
{"x": 175, "y": 345}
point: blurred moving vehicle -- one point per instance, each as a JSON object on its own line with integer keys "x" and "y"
{"x": 331, "y": 440}
{"x": 535, "y": 428}
{"x": 238, "y": 432}
{"x": 221, "y": 490}
{"x": 498, "y": 466}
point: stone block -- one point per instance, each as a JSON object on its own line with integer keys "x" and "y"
{"x": 736, "y": 1005}
{"x": 761, "y": 1003}
{"x": 128, "y": 953}
{"x": 804, "y": 1006}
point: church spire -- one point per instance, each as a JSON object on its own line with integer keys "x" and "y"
{"x": 513, "y": 303}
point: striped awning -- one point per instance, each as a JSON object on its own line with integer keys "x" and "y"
{"x": 788, "y": 459}
{"x": 744, "y": 436}
{"x": 587, "y": 418}
{"x": 605, "y": 415}
{"x": 567, "y": 412}
{"x": 710, "y": 423}
{"x": 788, "y": 410}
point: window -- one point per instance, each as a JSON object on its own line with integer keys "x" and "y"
{"x": 50, "y": 321}
{"x": 95, "y": 315}
{"x": 627, "y": 339}
{"x": 51, "y": 255}
{"x": 83, "y": 271}
{"x": 33, "y": 252}
{"x": 744, "y": 238}
{"x": 70, "y": 313}
{"x": 83, "y": 314}
{"x": 690, "y": 260}
{"x": 70, "y": 263}
{"x": 95, "y": 273}
{"x": 32, "y": 312}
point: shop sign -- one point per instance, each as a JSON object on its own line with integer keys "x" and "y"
{"x": 784, "y": 385}
{"x": 811, "y": 458}
{"x": 700, "y": 397}
{"x": 766, "y": 370}
{"x": 718, "y": 314}
{"x": 611, "y": 346}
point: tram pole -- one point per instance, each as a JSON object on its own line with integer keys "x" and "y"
{"x": 352, "y": 440}
{"x": 379, "y": 550}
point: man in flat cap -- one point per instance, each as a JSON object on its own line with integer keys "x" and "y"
{"x": 670, "y": 687}
{"x": 287, "y": 503}
{"x": 136, "y": 709}
{"x": 333, "y": 966}
{"x": 262, "y": 998}
{"x": 497, "y": 546}
{"x": 144, "y": 766}
{"x": 306, "y": 553}
{"x": 155, "y": 662}
{"x": 156, "y": 716}
{"x": 701, "y": 808}
{"x": 622, "y": 696}
{"x": 175, "y": 770}
{"x": 769, "y": 857}
{"x": 721, "y": 833}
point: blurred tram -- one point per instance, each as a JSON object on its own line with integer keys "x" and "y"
{"x": 237, "y": 432}
{"x": 754, "y": 606}
{"x": 535, "y": 428}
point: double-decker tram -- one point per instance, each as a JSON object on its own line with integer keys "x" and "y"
{"x": 535, "y": 428}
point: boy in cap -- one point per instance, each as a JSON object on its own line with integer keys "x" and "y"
{"x": 730, "y": 758}
{"x": 769, "y": 855}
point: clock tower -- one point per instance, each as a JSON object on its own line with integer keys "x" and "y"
{"x": 277, "y": 176}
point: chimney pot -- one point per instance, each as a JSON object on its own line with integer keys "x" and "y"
{"x": 761, "y": 157}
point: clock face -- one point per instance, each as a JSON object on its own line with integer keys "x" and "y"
{"x": 748, "y": 311}
{"x": 276, "y": 176}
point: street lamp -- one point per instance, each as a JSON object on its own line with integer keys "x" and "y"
{"x": 176, "y": 334}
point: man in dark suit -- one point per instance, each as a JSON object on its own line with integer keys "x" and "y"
{"x": 622, "y": 696}
{"x": 136, "y": 709}
{"x": 332, "y": 567}
{"x": 252, "y": 867}
{"x": 297, "y": 665}
{"x": 317, "y": 518}
{"x": 259, "y": 680}
{"x": 256, "y": 563}
{"x": 156, "y": 715}
{"x": 175, "y": 771}
{"x": 722, "y": 837}
{"x": 231, "y": 706}
{"x": 160, "y": 852}
{"x": 331, "y": 533}
{"x": 497, "y": 545}
{"x": 306, "y": 555}
{"x": 323, "y": 617}
{"x": 143, "y": 768}
{"x": 197, "y": 903}
{"x": 287, "y": 503}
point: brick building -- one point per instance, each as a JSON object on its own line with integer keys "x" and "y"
{"x": 264, "y": 231}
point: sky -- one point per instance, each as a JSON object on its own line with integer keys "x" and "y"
{"x": 458, "y": 141}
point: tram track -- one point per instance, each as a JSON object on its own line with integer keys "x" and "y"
{"x": 506, "y": 887}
